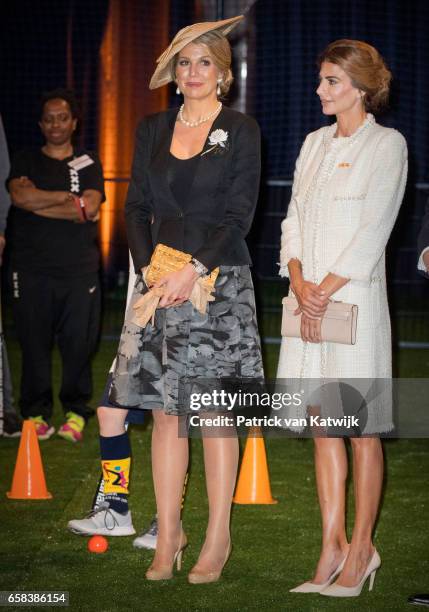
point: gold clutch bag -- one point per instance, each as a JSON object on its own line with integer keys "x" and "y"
{"x": 338, "y": 324}
{"x": 165, "y": 260}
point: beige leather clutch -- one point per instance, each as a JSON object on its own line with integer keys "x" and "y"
{"x": 338, "y": 324}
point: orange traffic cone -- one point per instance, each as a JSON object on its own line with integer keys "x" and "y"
{"x": 253, "y": 485}
{"x": 29, "y": 478}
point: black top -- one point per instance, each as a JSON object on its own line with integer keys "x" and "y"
{"x": 212, "y": 221}
{"x": 181, "y": 174}
{"x": 54, "y": 246}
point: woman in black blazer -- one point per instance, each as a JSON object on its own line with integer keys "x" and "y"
{"x": 194, "y": 187}
{"x": 218, "y": 209}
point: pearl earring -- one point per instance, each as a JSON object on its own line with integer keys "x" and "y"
{"x": 178, "y": 92}
{"x": 218, "y": 90}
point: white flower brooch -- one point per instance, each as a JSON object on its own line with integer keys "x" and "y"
{"x": 218, "y": 140}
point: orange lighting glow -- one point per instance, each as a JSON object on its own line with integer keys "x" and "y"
{"x": 136, "y": 33}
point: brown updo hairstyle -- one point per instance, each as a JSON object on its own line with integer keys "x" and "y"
{"x": 220, "y": 52}
{"x": 365, "y": 67}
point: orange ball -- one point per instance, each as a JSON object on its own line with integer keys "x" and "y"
{"x": 98, "y": 544}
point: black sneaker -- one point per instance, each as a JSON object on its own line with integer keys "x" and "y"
{"x": 12, "y": 425}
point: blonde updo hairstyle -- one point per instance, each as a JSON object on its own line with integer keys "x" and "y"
{"x": 365, "y": 67}
{"x": 220, "y": 52}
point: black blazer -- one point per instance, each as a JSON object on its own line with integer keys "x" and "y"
{"x": 221, "y": 201}
{"x": 423, "y": 238}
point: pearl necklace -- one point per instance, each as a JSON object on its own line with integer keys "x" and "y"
{"x": 200, "y": 121}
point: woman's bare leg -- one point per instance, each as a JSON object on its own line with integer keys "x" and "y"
{"x": 221, "y": 462}
{"x": 170, "y": 454}
{"x": 368, "y": 482}
{"x": 331, "y": 474}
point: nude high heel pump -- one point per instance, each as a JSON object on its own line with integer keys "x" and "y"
{"x": 196, "y": 577}
{"x": 336, "y": 590}
{"x": 166, "y": 572}
{"x": 312, "y": 587}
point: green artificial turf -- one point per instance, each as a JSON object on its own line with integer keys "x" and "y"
{"x": 275, "y": 546}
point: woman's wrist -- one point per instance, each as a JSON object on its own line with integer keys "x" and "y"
{"x": 295, "y": 274}
{"x": 199, "y": 267}
{"x": 332, "y": 283}
{"x": 296, "y": 284}
{"x": 191, "y": 271}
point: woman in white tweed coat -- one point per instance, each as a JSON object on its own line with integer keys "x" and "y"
{"x": 348, "y": 186}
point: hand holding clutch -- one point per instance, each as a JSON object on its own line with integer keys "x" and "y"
{"x": 311, "y": 299}
{"x": 147, "y": 304}
{"x": 164, "y": 261}
{"x": 338, "y": 324}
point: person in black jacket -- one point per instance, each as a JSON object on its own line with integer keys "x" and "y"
{"x": 194, "y": 187}
{"x": 56, "y": 192}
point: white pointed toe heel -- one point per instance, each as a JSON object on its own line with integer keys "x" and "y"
{"x": 336, "y": 590}
{"x": 312, "y": 587}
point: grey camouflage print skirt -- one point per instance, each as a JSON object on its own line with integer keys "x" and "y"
{"x": 158, "y": 367}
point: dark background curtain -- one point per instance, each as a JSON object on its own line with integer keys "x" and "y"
{"x": 289, "y": 37}
{"x": 45, "y": 45}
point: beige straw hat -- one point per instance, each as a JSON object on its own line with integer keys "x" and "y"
{"x": 162, "y": 75}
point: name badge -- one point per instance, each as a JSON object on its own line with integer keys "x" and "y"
{"x": 80, "y": 162}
